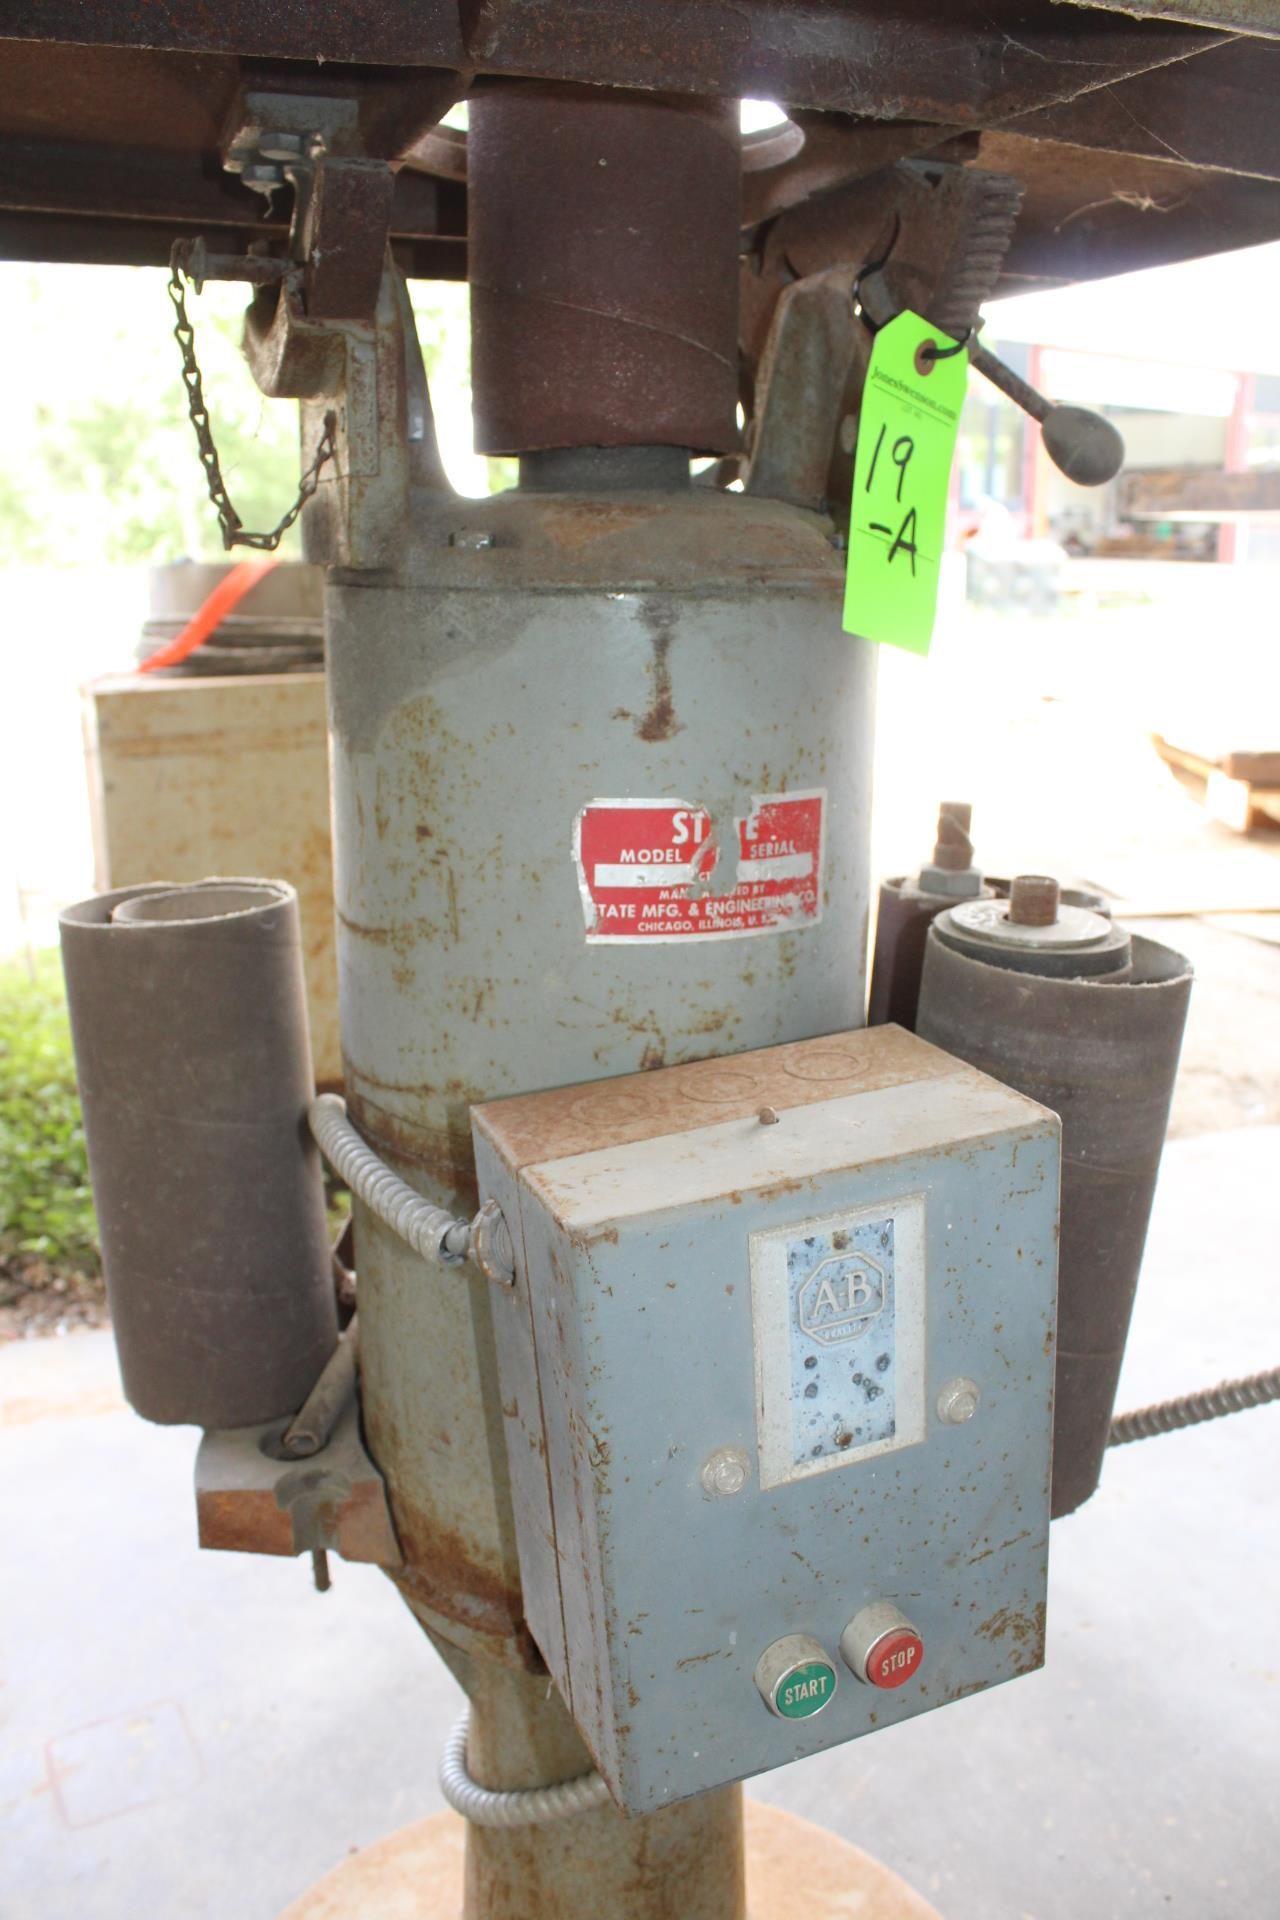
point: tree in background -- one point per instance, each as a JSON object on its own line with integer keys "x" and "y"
{"x": 98, "y": 459}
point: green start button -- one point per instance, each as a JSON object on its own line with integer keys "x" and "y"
{"x": 805, "y": 1691}
{"x": 795, "y": 1677}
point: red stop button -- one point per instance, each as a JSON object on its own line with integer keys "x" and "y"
{"x": 896, "y": 1657}
{"x": 881, "y": 1645}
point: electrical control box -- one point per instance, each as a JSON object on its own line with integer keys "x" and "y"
{"x": 777, "y": 1377}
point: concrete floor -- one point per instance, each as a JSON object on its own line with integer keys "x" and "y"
{"x": 199, "y": 1737}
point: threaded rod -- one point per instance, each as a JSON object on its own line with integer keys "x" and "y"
{"x": 953, "y": 849}
{"x": 1212, "y": 1403}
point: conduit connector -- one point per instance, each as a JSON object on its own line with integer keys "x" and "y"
{"x": 431, "y": 1231}
{"x": 491, "y": 1247}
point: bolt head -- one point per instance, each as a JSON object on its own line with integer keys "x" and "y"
{"x": 472, "y": 539}
{"x": 264, "y": 176}
{"x": 725, "y": 1471}
{"x": 958, "y": 1402}
{"x": 280, "y": 146}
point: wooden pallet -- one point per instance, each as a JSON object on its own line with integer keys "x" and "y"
{"x": 1241, "y": 790}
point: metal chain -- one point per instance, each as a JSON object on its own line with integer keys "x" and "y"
{"x": 1213, "y": 1403}
{"x": 233, "y": 528}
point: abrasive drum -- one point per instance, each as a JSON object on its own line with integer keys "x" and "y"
{"x": 188, "y": 1013}
{"x": 1102, "y": 1053}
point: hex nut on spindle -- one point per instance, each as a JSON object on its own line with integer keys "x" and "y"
{"x": 727, "y": 1470}
{"x": 958, "y": 1402}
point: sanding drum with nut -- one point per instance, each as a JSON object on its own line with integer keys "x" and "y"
{"x": 188, "y": 1014}
{"x": 1066, "y": 1007}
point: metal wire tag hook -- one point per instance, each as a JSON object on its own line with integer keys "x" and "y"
{"x": 929, "y": 350}
{"x": 874, "y": 266}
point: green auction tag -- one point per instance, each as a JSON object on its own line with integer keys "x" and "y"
{"x": 906, "y": 437}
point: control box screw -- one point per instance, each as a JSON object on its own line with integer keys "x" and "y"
{"x": 725, "y": 1471}
{"x": 958, "y": 1402}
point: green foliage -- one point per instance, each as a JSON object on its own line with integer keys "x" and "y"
{"x": 98, "y": 460}
{"x": 45, "y": 1204}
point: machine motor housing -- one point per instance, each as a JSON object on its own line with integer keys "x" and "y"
{"x": 779, "y": 1352}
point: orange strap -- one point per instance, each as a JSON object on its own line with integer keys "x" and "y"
{"x": 226, "y": 596}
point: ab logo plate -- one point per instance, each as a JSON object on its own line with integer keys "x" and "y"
{"x": 838, "y": 1310}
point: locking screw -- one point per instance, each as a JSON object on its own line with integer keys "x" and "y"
{"x": 1033, "y": 900}
{"x": 953, "y": 849}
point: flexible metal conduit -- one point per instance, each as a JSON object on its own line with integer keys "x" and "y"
{"x": 429, "y": 1230}
{"x": 533, "y": 1807}
{"x": 1212, "y": 1403}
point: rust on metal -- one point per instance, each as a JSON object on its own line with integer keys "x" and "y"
{"x": 553, "y": 1126}
{"x": 347, "y": 224}
{"x": 1216, "y": 111}
{"x": 444, "y": 1154}
{"x": 449, "y": 1586}
{"x": 1034, "y": 899}
{"x": 112, "y": 116}
{"x": 804, "y": 350}
{"x": 1087, "y": 214}
{"x": 603, "y": 267}
{"x": 805, "y": 382}
{"x": 972, "y": 59}
{"x": 953, "y": 848}
{"x": 660, "y": 722}
{"x": 1024, "y": 1630}
{"x": 836, "y": 151}
{"x": 248, "y": 1501}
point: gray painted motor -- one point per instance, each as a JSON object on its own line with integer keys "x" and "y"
{"x": 549, "y": 657}
{"x": 601, "y": 789}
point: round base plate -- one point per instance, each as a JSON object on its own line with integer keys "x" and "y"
{"x": 416, "y": 1874}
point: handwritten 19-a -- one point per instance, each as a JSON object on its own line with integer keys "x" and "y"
{"x": 904, "y": 540}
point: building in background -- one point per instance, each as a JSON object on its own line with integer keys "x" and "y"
{"x": 1192, "y": 402}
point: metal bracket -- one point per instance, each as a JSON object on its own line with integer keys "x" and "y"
{"x": 953, "y": 224}
{"x": 338, "y": 333}
{"x": 335, "y": 1501}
